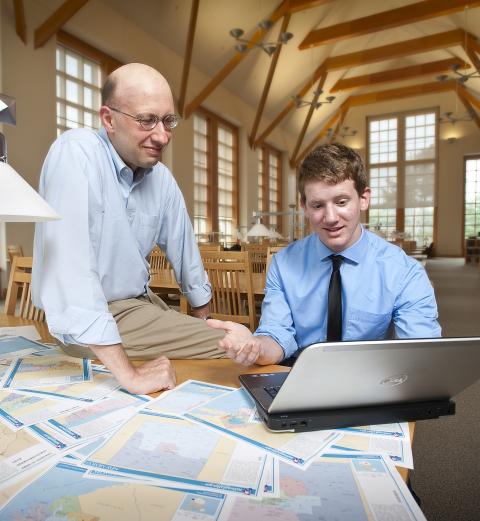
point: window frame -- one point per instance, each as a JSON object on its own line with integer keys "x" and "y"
{"x": 267, "y": 151}
{"x": 85, "y": 51}
{"x": 214, "y": 122}
{"x": 402, "y": 162}
{"x": 467, "y": 157}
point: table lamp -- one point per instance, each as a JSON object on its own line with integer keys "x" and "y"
{"x": 19, "y": 202}
{"x": 259, "y": 230}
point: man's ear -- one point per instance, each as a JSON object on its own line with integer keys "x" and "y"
{"x": 106, "y": 118}
{"x": 365, "y": 199}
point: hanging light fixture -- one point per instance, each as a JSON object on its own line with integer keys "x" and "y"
{"x": 456, "y": 68}
{"x": 244, "y": 45}
{"x": 450, "y": 117}
{"x": 461, "y": 77}
{"x": 346, "y": 132}
{"x": 299, "y": 102}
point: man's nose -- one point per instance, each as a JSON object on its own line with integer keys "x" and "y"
{"x": 160, "y": 135}
{"x": 330, "y": 214}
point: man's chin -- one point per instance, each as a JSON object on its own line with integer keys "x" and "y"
{"x": 333, "y": 243}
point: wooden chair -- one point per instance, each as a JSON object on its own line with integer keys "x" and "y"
{"x": 14, "y": 250}
{"x": 258, "y": 256}
{"x": 230, "y": 275}
{"x": 158, "y": 260}
{"x": 20, "y": 281}
{"x": 209, "y": 246}
{"x": 271, "y": 252}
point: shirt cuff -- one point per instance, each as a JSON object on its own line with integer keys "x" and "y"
{"x": 199, "y": 296}
{"x": 285, "y": 340}
{"x": 82, "y": 327}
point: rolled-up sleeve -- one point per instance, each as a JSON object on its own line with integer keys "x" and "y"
{"x": 65, "y": 280}
{"x": 415, "y": 313}
{"x": 177, "y": 239}
{"x": 276, "y": 320}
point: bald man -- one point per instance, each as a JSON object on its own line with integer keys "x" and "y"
{"x": 117, "y": 200}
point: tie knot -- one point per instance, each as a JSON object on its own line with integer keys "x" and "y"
{"x": 336, "y": 261}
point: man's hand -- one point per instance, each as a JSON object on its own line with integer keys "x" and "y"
{"x": 244, "y": 348}
{"x": 239, "y": 343}
{"x": 151, "y": 376}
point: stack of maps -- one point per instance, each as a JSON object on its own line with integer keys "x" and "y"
{"x": 74, "y": 446}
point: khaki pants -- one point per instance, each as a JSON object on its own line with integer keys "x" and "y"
{"x": 149, "y": 328}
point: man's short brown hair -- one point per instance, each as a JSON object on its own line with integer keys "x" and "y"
{"x": 332, "y": 163}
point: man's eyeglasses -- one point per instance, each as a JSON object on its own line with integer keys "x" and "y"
{"x": 150, "y": 121}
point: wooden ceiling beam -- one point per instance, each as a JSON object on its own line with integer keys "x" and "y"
{"x": 472, "y": 56}
{"x": 290, "y": 105}
{"x": 188, "y": 55}
{"x": 279, "y": 12}
{"x": 408, "y": 14}
{"x": 403, "y": 73}
{"x": 294, "y": 6}
{"x": 338, "y": 125}
{"x": 286, "y": 7}
{"x": 311, "y": 110}
{"x": 56, "y": 20}
{"x": 467, "y": 95}
{"x": 331, "y": 121}
{"x": 268, "y": 83}
{"x": 473, "y": 43}
{"x": 396, "y": 50}
{"x": 20, "y": 25}
{"x": 469, "y": 109}
{"x": 402, "y": 92}
{"x": 377, "y": 54}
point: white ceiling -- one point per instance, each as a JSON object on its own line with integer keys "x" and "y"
{"x": 168, "y": 20}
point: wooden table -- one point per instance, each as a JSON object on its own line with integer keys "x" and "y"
{"x": 221, "y": 372}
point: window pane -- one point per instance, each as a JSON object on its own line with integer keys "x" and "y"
{"x": 78, "y": 83}
{"x": 472, "y": 198}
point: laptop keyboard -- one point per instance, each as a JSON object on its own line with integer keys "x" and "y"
{"x": 273, "y": 390}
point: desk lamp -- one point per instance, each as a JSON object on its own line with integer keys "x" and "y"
{"x": 19, "y": 202}
{"x": 259, "y": 230}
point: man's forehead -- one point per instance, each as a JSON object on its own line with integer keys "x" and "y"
{"x": 142, "y": 98}
{"x": 321, "y": 187}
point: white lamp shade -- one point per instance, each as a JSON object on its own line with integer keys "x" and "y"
{"x": 275, "y": 235}
{"x": 19, "y": 202}
{"x": 258, "y": 230}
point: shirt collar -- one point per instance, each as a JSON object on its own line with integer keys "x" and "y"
{"x": 118, "y": 162}
{"x": 355, "y": 252}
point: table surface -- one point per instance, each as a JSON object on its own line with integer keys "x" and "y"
{"x": 221, "y": 372}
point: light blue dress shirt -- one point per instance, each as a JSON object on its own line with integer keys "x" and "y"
{"x": 110, "y": 220}
{"x": 381, "y": 286}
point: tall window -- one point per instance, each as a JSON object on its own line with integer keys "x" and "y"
{"x": 270, "y": 185}
{"x": 215, "y": 178}
{"x": 79, "y": 82}
{"x": 402, "y": 166}
{"x": 472, "y": 196}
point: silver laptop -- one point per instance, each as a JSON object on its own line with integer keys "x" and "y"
{"x": 369, "y": 382}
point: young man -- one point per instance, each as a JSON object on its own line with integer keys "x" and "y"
{"x": 117, "y": 201}
{"x": 381, "y": 287}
